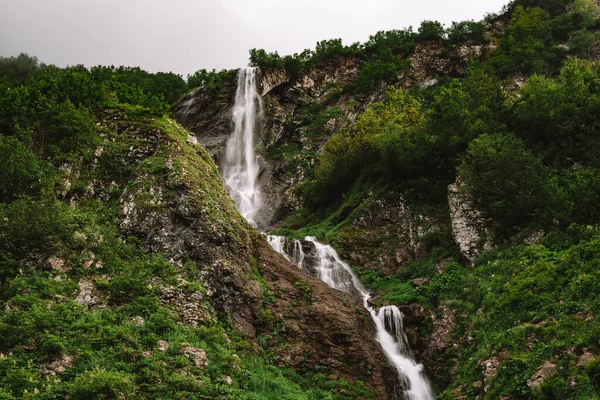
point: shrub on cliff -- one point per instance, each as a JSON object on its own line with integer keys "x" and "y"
{"x": 508, "y": 182}
{"x": 431, "y": 30}
{"x": 386, "y": 141}
{"x": 560, "y": 117}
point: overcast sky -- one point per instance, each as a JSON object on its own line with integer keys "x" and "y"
{"x": 185, "y": 35}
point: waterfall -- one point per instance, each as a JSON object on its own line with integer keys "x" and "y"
{"x": 240, "y": 167}
{"x": 294, "y": 254}
{"x": 388, "y": 320}
{"x": 240, "y": 172}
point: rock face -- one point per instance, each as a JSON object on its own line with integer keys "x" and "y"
{"x": 547, "y": 370}
{"x": 206, "y": 112}
{"x": 389, "y": 228}
{"x": 272, "y": 78}
{"x": 468, "y": 225}
{"x": 86, "y": 296}
{"x": 196, "y": 355}
{"x": 385, "y": 234}
{"x": 208, "y": 115}
{"x": 321, "y": 326}
{"x": 185, "y": 213}
{"x": 57, "y": 366}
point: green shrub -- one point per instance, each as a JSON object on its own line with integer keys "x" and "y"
{"x": 431, "y": 30}
{"x": 260, "y": 58}
{"x": 22, "y": 173}
{"x": 507, "y": 181}
{"x": 464, "y": 31}
{"x": 100, "y": 383}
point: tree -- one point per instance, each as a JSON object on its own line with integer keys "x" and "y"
{"x": 385, "y": 142}
{"x": 464, "y": 109}
{"x": 507, "y": 182}
{"x": 260, "y": 58}
{"x": 18, "y": 69}
{"x": 431, "y": 30}
{"x": 560, "y": 117}
{"x": 527, "y": 46}
{"x": 464, "y": 31}
{"x": 22, "y": 173}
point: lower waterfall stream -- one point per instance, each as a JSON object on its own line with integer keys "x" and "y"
{"x": 240, "y": 173}
{"x": 388, "y": 319}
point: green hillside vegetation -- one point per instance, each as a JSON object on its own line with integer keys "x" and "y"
{"x": 64, "y": 133}
{"x": 528, "y": 156}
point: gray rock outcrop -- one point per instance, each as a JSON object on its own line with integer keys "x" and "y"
{"x": 468, "y": 224}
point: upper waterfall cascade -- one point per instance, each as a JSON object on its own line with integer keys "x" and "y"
{"x": 240, "y": 166}
{"x": 388, "y": 320}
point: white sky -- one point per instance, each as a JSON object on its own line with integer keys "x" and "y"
{"x": 185, "y": 35}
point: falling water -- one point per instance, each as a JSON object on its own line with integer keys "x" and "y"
{"x": 295, "y": 253}
{"x": 240, "y": 167}
{"x": 240, "y": 172}
{"x": 388, "y": 320}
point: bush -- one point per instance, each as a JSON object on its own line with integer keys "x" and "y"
{"x": 507, "y": 181}
{"x": 527, "y": 46}
{"x": 464, "y": 31}
{"x": 386, "y": 141}
{"x": 22, "y": 173}
{"x": 462, "y": 110}
{"x": 102, "y": 384}
{"x": 33, "y": 229}
{"x": 260, "y": 58}
{"x": 580, "y": 41}
{"x": 560, "y": 117}
{"x": 18, "y": 69}
{"x": 431, "y": 30}
{"x": 399, "y": 42}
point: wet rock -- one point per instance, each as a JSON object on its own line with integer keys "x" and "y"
{"x": 534, "y": 237}
{"x": 516, "y": 83}
{"x": 187, "y": 304}
{"x": 392, "y": 228}
{"x": 413, "y": 313}
{"x": 331, "y": 331}
{"x": 272, "y": 78}
{"x": 427, "y": 62}
{"x": 490, "y": 368}
{"x": 58, "y": 264}
{"x": 442, "y": 264}
{"x": 547, "y": 370}
{"x": 420, "y": 282}
{"x": 584, "y": 317}
{"x": 443, "y": 324}
{"x": 207, "y": 114}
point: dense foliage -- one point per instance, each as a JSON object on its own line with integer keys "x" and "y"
{"x": 518, "y": 130}
{"x": 67, "y": 140}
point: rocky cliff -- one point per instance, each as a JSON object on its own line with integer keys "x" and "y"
{"x": 385, "y": 233}
{"x": 184, "y": 212}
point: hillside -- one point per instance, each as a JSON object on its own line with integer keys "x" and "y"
{"x": 454, "y": 168}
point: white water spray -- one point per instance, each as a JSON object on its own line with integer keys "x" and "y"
{"x": 240, "y": 167}
{"x": 388, "y": 320}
